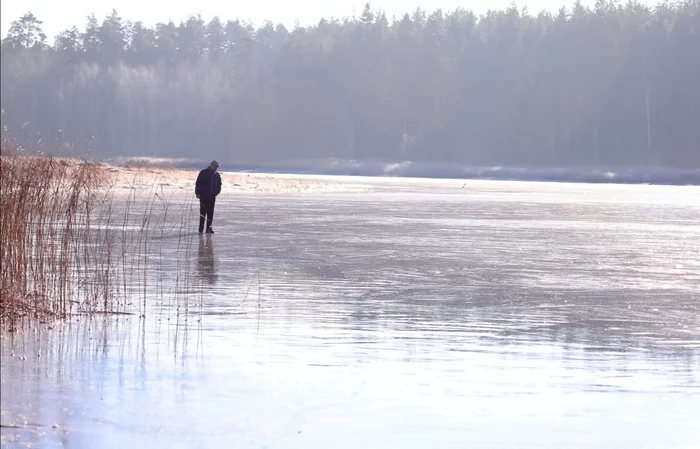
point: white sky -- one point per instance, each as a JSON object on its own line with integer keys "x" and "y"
{"x": 60, "y": 15}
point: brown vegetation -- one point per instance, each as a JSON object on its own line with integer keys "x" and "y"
{"x": 48, "y": 207}
{"x": 71, "y": 241}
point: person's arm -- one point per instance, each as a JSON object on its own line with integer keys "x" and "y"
{"x": 218, "y": 185}
{"x": 198, "y": 185}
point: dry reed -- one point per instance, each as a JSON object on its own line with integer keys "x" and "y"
{"x": 69, "y": 243}
{"x": 46, "y": 207}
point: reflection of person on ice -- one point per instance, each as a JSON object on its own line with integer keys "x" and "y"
{"x": 207, "y": 187}
{"x": 206, "y": 270}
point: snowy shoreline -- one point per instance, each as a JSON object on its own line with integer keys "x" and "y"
{"x": 180, "y": 180}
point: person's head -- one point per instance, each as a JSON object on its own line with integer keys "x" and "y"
{"x": 214, "y": 166}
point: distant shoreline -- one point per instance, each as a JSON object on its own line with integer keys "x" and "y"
{"x": 408, "y": 169}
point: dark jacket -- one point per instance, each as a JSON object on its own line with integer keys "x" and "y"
{"x": 208, "y": 184}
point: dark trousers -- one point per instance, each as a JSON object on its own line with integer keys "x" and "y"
{"x": 206, "y": 209}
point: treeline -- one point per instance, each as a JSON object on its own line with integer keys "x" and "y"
{"x": 616, "y": 84}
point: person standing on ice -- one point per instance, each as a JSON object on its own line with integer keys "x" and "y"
{"x": 207, "y": 187}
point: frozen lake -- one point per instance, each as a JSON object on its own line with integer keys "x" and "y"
{"x": 422, "y": 314}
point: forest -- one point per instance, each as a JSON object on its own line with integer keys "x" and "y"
{"x": 614, "y": 84}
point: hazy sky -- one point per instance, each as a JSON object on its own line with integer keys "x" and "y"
{"x": 58, "y": 16}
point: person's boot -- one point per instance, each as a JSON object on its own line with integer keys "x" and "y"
{"x": 210, "y": 231}
{"x": 201, "y": 224}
